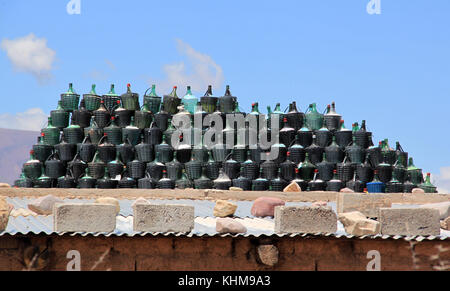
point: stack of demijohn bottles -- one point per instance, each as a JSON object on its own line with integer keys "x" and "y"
{"x": 111, "y": 141}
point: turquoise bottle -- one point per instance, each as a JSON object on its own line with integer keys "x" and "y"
{"x": 189, "y": 101}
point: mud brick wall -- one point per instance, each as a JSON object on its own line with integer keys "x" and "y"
{"x": 217, "y": 253}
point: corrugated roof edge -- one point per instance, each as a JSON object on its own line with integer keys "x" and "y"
{"x": 190, "y": 235}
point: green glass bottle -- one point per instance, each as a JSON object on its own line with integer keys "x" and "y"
{"x": 208, "y": 101}
{"x": 227, "y": 101}
{"x": 314, "y": 119}
{"x": 60, "y": 117}
{"x": 171, "y": 101}
{"x": 92, "y": 100}
{"x": 70, "y": 99}
{"x": 51, "y": 133}
{"x": 427, "y": 186}
{"x": 110, "y": 99}
{"x": 152, "y": 100}
{"x": 130, "y": 100}
{"x": 414, "y": 174}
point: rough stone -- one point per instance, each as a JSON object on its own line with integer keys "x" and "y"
{"x": 109, "y": 200}
{"x": 356, "y": 223}
{"x": 235, "y": 189}
{"x": 140, "y": 200}
{"x": 224, "y": 208}
{"x": 163, "y": 218}
{"x": 84, "y": 217}
{"x": 347, "y": 190}
{"x": 22, "y": 212}
{"x": 367, "y": 204}
{"x": 5, "y": 185}
{"x": 265, "y": 206}
{"x": 443, "y": 207}
{"x": 417, "y": 190}
{"x": 293, "y": 187}
{"x": 304, "y": 219}
{"x": 44, "y": 205}
{"x": 5, "y": 210}
{"x": 445, "y": 224}
{"x": 229, "y": 225}
{"x": 268, "y": 254}
{"x": 320, "y": 203}
{"x": 409, "y": 221}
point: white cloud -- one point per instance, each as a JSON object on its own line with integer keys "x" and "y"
{"x": 33, "y": 119}
{"x": 199, "y": 71}
{"x": 30, "y": 54}
{"x": 442, "y": 180}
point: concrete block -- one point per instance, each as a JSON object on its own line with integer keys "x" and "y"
{"x": 367, "y": 204}
{"x": 84, "y": 217}
{"x": 304, "y": 219}
{"x": 163, "y": 218}
{"x": 109, "y": 200}
{"x": 409, "y": 221}
{"x": 443, "y": 207}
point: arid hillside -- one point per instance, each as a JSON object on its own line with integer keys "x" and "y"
{"x": 15, "y": 146}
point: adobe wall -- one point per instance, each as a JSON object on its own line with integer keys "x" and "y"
{"x": 217, "y": 253}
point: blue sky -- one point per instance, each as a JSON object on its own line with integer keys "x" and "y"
{"x": 392, "y": 69}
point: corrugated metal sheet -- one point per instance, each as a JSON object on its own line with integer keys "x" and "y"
{"x": 204, "y": 227}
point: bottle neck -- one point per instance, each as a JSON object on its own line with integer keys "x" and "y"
{"x": 174, "y": 92}
{"x": 333, "y": 107}
{"x": 255, "y": 108}
{"x": 153, "y": 91}
{"x": 227, "y": 91}
{"x": 236, "y": 108}
{"x": 112, "y": 91}
{"x": 70, "y": 91}
{"x": 188, "y": 91}
{"x": 93, "y": 90}
{"x": 209, "y": 91}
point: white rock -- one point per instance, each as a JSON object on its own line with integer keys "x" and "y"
{"x": 44, "y": 205}
{"x": 417, "y": 190}
{"x": 292, "y": 187}
{"x": 347, "y": 190}
{"x": 140, "y": 200}
{"x": 356, "y": 223}
{"x": 229, "y": 225}
{"x": 224, "y": 208}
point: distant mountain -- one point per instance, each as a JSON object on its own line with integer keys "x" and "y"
{"x": 15, "y": 146}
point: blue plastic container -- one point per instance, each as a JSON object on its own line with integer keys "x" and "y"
{"x": 376, "y": 187}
